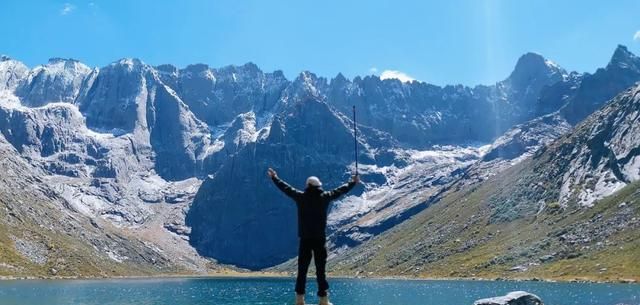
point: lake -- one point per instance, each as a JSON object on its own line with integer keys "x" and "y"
{"x": 272, "y": 291}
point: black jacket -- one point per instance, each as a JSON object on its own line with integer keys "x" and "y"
{"x": 313, "y": 205}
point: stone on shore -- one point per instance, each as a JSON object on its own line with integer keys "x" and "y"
{"x": 512, "y": 298}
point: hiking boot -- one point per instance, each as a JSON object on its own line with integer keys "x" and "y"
{"x": 299, "y": 299}
{"x": 324, "y": 301}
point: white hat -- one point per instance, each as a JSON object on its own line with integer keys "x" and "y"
{"x": 314, "y": 181}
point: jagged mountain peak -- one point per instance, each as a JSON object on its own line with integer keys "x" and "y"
{"x": 340, "y": 77}
{"x": 59, "y": 80}
{"x": 307, "y": 76}
{"x": 59, "y": 65}
{"x": 196, "y": 67}
{"x": 11, "y": 72}
{"x": 622, "y": 71}
{"x": 130, "y": 64}
{"x": 167, "y": 68}
{"x": 249, "y": 68}
{"x": 339, "y": 81}
{"x": 530, "y": 58}
{"x": 54, "y": 60}
{"x": 279, "y": 74}
{"x": 308, "y": 85}
{"x": 623, "y": 58}
{"x": 533, "y": 65}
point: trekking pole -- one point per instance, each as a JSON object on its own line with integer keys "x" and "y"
{"x": 355, "y": 137}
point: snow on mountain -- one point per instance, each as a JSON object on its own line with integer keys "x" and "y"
{"x": 397, "y": 193}
{"x": 523, "y": 140}
{"x": 605, "y": 153}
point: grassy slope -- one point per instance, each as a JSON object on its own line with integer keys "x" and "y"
{"x": 68, "y": 255}
{"x": 458, "y": 238}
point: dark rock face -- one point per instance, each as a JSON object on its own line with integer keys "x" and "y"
{"x": 112, "y": 102}
{"x": 128, "y": 97}
{"x": 622, "y": 71}
{"x": 173, "y": 126}
{"x": 216, "y": 96}
{"x": 253, "y": 225}
{"x": 512, "y": 298}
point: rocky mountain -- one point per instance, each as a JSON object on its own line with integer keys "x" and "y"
{"x": 176, "y": 157}
{"x": 402, "y": 118}
{"x": 569, "y": 211}
{"x": 43, "y": 234}
{"x": 60, "y": 80}
{"x": 622, "y": 71}
{"x": 12, "y": 72}
{"x": 419, "y": 114}
{"x": 560, "y": 107}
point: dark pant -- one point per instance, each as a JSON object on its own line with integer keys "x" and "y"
{"x": 307, "y": 247}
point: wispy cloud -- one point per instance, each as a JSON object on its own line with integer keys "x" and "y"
{"x": 403, "y": 77}
{"x": 373, "y": 70}
{"x": 67, "y": 9}
{"x": 637, "y": 36}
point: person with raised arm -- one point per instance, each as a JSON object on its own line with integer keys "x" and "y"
{"x": 313, "y": 205}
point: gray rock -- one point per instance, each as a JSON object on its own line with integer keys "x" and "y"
{"x": 60, "y": 80}
{"x": 512, "y": 298}
{"x": 35, "y": 251}
{"x": 12, "y": 72}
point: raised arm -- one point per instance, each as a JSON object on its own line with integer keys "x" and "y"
{"x": 341, "y": 190}
{"x": 283, "y": 186}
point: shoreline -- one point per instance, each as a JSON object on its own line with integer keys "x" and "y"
{"x": 250, "y": 275}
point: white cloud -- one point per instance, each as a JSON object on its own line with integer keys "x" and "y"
{"x": 67, "y": 9}
{"x": 373, "y": 70}
{"x": 637, "y": 36}
{"x": 403, "y": 77}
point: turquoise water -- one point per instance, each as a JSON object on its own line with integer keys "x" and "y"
{"x": 269, "y": 291}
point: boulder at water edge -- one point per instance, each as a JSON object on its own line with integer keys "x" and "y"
{"x": 513, "y": 298}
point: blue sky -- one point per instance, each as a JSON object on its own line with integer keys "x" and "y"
{"x": 444, "y": 42}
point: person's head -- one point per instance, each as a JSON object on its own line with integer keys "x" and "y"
{"x": 313, "y": 181}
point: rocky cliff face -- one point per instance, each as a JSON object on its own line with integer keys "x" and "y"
{"x": 217, "y": 96}
{"x": 622, "y": 71}
{"x": 231, "y": 225}
{"x": 603, "y": 154}
{"x": 60, "y": 80}
{"x": 11, "y": 72}
{"x": 43, "y": 234}
{"x": 562, "y": 105}
{"x": 419, "y": 114}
